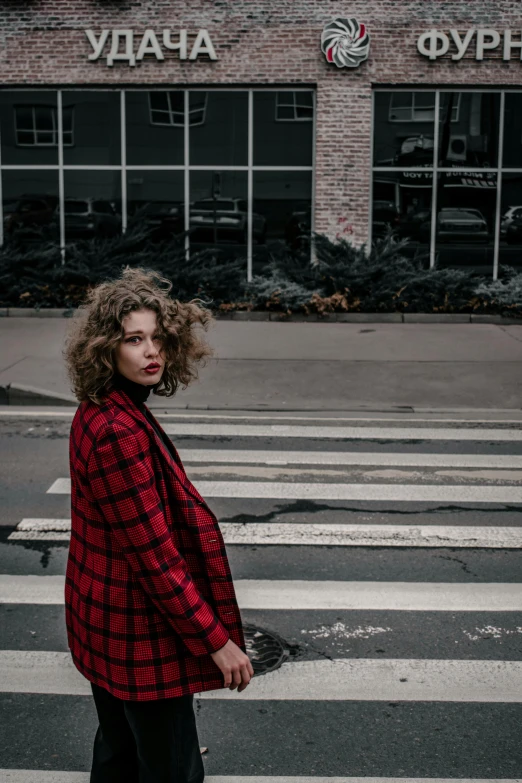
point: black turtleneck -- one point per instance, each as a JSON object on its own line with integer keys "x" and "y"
{"x": 138, "y": 392}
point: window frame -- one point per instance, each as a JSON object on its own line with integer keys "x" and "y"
{"x": 413, "y": 118}
{"x": 293, "y": 105}
{"x": 125, "y": 169}
{"x": 171, "y": 112}
{"x": 435, "y": 168}
{"x": 34, "y": 130}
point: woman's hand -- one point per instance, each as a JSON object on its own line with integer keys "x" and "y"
{"x": 235, "y": 666}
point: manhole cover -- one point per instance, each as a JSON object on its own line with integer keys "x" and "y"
{"x": 266, "y": 650}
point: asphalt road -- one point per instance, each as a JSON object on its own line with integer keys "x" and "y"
{"x": 442, "y": 729}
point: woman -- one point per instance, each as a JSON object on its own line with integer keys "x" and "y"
{"x": 151, "y": 611}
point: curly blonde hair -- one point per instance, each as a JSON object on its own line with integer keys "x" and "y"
{"x": 97, "y": 328}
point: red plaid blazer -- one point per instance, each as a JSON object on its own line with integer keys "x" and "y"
{"x": 148, "y": 589}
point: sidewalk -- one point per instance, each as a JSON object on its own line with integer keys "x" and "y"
{"x": 311, "y": 366}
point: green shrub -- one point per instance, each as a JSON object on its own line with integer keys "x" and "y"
{"x": 342, "y": 278}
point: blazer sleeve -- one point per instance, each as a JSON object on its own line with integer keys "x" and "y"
{"x": 122, "y": 481}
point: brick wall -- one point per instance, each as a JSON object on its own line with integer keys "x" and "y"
{"x": 265, "y": 42}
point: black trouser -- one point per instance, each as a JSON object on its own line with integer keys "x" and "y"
{"x": 145, "y": 741}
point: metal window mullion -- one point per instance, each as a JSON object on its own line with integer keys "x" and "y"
{"x": 313, "y": 256}
{"x": 123, "y": 142}
{"x": 217, "y": 167}
{"x": 186, "y": 181}
{"x": 1, "y": 195}
{"x": 435, "y": 183}
{"x": 372, "y": 159}
{"x": 61, "y": 184}
{"x": 250, "y": 182}
{"x": 496, "y": 247}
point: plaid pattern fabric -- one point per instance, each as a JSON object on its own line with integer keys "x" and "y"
{"x": 148, "y": 590}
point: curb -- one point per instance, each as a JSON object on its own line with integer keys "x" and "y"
{"x": 18, "y": 394}
{"x": 265, "y": 315}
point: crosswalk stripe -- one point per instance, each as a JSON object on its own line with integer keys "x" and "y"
{"x": 280, "y": 490}
{"x": 313, "y": 595}
{"x": 45, "y": 776}
{"x": 381, "y": 459}
{"x": 346, "y": 433}
{"x": 296, "y": 534}
{"x": 341, "y": 679}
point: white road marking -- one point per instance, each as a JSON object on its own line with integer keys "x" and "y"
{"x": 282, "y": 490}
{"x": 388, "y": 459}
{"x": 295, "y": 534}
{"x": 315, "y": 595}
{"x": 69, "y": 412}
{"x": 346, "y": 433}
{"x": 41, "y": 776}
{"x": 342, "y": 679}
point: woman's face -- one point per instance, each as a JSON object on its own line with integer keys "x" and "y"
{"x": 139, "y": 348}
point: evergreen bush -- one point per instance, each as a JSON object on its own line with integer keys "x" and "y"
{"x": 385, "y": 278}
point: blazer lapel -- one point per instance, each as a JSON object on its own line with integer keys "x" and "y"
{"x": 123, "y": 401}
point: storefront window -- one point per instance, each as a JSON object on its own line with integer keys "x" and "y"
{"x": 511, "y": 220}
{"x": 283, "y": 128}
{"x": 92, "y": 204}
{"x": 154, "y": 127}
{"x": 230, "y": 169}
{"x": 512, "y": 157}
{"x": 29, "y": 127}
{"x": 219, "y": 210}
{"x": 402, "y": 204}
{"x": 155, "y": 201}
{"x": 97, "y": 137}
{"x": 30, "y": 206}
{"x": 218, "y": 134}
{"x": 466, "y": 205}
{"x": 468, "y": 129}
{"x": 404, "y": 128}
{"x": 471, "y": 228}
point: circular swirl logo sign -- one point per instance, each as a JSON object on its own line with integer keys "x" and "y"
{"x": 345, "y": 42}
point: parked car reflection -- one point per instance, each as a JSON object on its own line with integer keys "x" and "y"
{"x": 511, "y": 214}
{"x": 455, "y": 224}
{"x": 225, "y": 219}
{"x": 85, "y": 218}
{"x": 513, "y": 232}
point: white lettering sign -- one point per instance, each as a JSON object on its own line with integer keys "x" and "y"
{"x": 435, "y": 43}
{"x": 125, "y": 46}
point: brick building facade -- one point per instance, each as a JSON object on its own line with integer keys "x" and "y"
{"x": 434, "y": 109}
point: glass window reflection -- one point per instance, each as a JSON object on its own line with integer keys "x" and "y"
{"x": 29, "y": 127}
{"x": 218, "y": 131}
{"x": 282, "y": 207}
{"x": 154, "y": 127}
{"x": 402, "y": 205}
{"x": 156, "y": 202}
{"x": 513, "y": 130}
{"x": 404, "y": 125}
{"x": 283, "y": 128}
{"x": 466, "y": 204}
{"x": 468, "y": 129}
{"x": 97, "y": 128}
{"x": 218, "y": 210}
{"x": 511, "y": 220}
{"x": 92, "y": 204}
{"x": 30, "y": 206}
